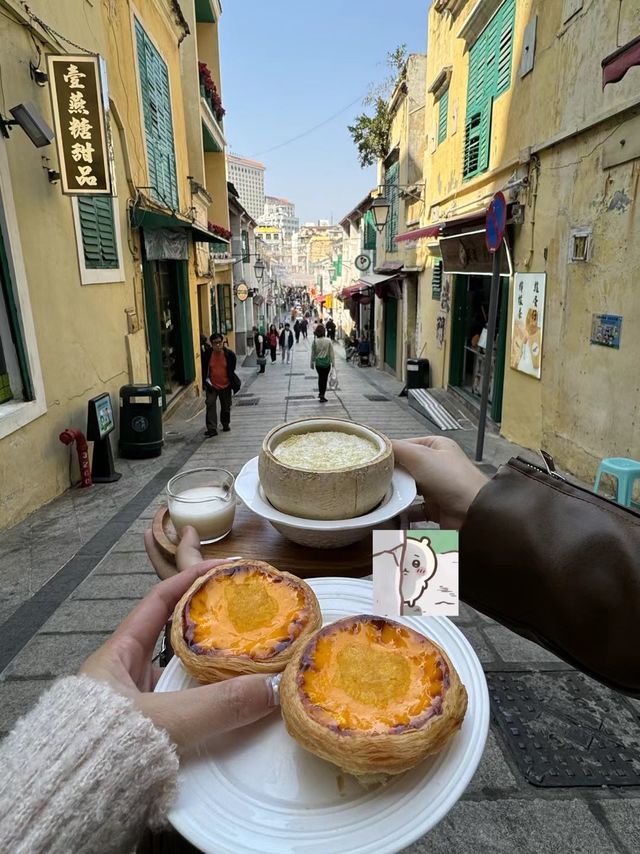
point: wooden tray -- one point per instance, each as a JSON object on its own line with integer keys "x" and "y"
{"x": 253, "y": 537}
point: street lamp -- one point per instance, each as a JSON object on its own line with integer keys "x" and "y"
{"x": 380, "y": 208}
{"x": 258, "y": 269}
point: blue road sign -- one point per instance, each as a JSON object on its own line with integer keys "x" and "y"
{"x": 496, "y": 222}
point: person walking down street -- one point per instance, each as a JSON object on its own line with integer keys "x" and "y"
{"x": 322, "y": 359}
{"x": 331, "y": 329}
{"x": 260, "y": 347}
{"x": 304, "y": 325}
{"x": 219, "y": 383}
{"x": 286, "y": 342}
{"x": 272, "y": 341}
{"x": 296, "y": 331}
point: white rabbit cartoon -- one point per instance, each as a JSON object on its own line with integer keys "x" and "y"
{"x": 419, "y": 565}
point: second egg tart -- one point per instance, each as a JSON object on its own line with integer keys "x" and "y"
{"x": 372, "y": 696}
{"x": 242, "y": 617}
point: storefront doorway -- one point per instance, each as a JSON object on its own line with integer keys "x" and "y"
{"x": 470, "y": 312}
{"x": 390, "y": 333}
{"x": 169, "y": 325}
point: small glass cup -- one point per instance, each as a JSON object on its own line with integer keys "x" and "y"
{"x": 204, "y": 498}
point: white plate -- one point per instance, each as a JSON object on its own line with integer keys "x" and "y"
{"x": 400, "y": 495}
{"x": 256, "y": 791}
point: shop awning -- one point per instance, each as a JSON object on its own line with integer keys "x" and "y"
{"x": 616, "y": 65}
{"x": 143, "y": 216}
{"x": 320, "y": 298}
{"x": 437, "y": 228}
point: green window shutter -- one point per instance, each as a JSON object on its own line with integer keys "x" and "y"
{"x": 97, "y": 228}
{"x": 225, "y": 307}
{"x": 436, "y": 281}
{"x": 158, "y": 124}
{"x": 490, "y": 61}
{"x": 443, "y": 110}
{"x": 505, "y": 25}
{"x": 391, "y": 192}
{"x": 369, "y": 231}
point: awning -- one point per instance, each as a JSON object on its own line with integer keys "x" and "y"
{"x": 437, "y": 228}
{"x": 321, "y": 298}
{"x": 388, "y": 285}
{"x": 616, "y": 65}
{"x": 150, "y": 218}
{"x": 466, "y": 253}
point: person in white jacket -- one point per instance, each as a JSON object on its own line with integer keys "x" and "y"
{"x": 96, "y": 760}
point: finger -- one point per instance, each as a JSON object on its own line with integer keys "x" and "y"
{"x": 409, "y": 454}
{"x": 188, "y": 553}
{"x": 163, "y": 567}
{"x": 196, "y": 715}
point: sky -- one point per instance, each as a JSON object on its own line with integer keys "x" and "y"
{"x": 287, "y": 66}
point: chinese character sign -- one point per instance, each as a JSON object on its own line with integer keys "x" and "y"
{"x": 527, "y": 322}
{"x": 79, "y": 123}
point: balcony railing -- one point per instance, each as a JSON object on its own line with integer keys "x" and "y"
{"x": 209, "y": 91}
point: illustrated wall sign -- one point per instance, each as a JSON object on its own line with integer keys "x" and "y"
{"x": 527, "y": 322}
{"x": 79, "y": 121}
{"x": 605, "y": 330}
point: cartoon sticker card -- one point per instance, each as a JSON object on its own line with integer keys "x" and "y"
{"x": 415, "y": 573}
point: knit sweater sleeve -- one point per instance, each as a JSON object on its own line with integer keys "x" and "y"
{"x": 83, "y": 771}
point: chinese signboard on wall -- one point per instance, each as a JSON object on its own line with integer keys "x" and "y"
{"x": 527, "y": 322}
{"x": 605, "y": 330}
{"x": 78, "y": 115}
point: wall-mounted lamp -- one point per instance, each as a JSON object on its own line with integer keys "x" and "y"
{"x": 28, "y": 117}
{"x": 258, "y": 269}
{"x": 380, "y": 209}
{"x": 53, "y": 176}
{"x": 38, "y": 75}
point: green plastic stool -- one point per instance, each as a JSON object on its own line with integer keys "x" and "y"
{"x": 626, "y": 473}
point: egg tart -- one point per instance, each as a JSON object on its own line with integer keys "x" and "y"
{"x": 372, "y": 696}
{"x": 242, "y": 617}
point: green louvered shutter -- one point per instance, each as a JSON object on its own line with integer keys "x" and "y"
{"x": 369, "y": 231}
{"x": 391, "y": 192}
{"x": 98, "y": 232}
{"x": 490, "y": 61}
{"x": 443, "y": 110}
{"x": 505, "y": 24}
{"x": 158, "y": 125}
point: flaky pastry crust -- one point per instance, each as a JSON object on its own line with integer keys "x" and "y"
{"x": 240, "y": 617}
{"x": 373, "y": 696}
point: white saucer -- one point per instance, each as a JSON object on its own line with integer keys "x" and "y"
{"x": 318, "y": 532}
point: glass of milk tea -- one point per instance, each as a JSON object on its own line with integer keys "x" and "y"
{"x": 204, "y": 498}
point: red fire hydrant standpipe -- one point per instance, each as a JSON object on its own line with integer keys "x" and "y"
{"x": 67, "y": 437}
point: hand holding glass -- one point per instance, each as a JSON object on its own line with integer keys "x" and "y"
{"x": 204, "y": 498}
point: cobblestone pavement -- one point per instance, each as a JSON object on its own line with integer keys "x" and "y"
{"x": 72, "y": 570}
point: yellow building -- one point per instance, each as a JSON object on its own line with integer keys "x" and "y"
{"x": 516, "y": 103}
{"x": 101, "y": 291}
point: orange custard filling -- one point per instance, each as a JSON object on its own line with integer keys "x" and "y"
{"x": 245, "y": 611}
{"x": 372, "y": 675}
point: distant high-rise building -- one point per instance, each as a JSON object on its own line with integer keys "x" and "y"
{"x": 282, "y": 214}
{"x": 247, "y": 176}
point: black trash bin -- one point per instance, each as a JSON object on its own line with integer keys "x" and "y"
{"x": 417, "y": 373}
{"x": 140, "y": 421}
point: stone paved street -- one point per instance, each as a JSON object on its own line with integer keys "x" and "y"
{"x": 74, "y": 569}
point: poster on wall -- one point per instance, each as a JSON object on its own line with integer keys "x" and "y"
{"x": 527, "y": 323}
{"x": 605, "y": 330}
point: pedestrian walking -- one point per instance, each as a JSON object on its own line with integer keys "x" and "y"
{"x": 304, "y": 326}
{"x": 322, "y": 359}
{"x": 272, "y": 341}
{"x": 331, "y": 329}
{"x": 286, "y": 342}
{"x": 260, "y": 348}
{"x": 219, "y": 384}
{"x": 296, "y": 330}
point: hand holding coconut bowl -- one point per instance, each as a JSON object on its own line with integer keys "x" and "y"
{"x": 383, "y": 722}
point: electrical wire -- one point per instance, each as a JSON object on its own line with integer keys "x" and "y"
{"x": 50, "y": 31}
{"x": 310, "y": 130}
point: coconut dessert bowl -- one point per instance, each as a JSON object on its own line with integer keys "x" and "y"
{"x": 325, "y": 468}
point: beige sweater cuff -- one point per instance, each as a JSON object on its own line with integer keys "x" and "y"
{"x": 83, "y": 771}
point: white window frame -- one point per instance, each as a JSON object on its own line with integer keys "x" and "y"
{"x": 17, "y": 414}
{"x": 98, "y": 276}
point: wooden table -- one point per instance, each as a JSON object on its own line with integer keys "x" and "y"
{"x": 253, "y": 537}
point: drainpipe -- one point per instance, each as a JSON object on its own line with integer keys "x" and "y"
{"x": 67, "y": 437}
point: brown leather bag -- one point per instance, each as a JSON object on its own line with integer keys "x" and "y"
{"x": 560, "y": 566}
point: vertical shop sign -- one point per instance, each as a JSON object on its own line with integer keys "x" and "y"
{"x": 527, "y": 322}
{"x": 79, "y": 121}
